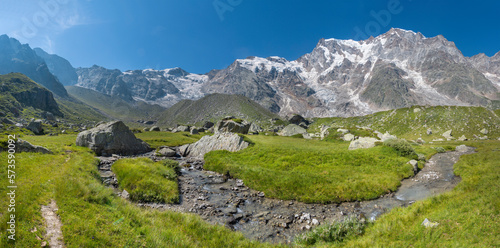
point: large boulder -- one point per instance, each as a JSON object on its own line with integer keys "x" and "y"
{"x": 25, "y": 146}
{"x": 183, "y": 128}
{"x": 297, "y": 120}
{"x": 255, "y": 129}
{"x": 363, "y": 143}
{"x": 292, "y": 130}
{"x": 112, "y": 138}
{"x": 385, "y": 136}
{"x": 232, "y": 126}
{"x": 35, "y": 126}
{"x": 219, "y": 141}
{"x": 448, "y": 134}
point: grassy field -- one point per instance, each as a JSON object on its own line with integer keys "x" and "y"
{"x": 148, "y": 181}
{"x": 312, "y": 170}
{"x": 157, "y": 139}
{"x": 91, "y": 214}
{"x": 411, "y": 124}
{"x": 468, "y": 216}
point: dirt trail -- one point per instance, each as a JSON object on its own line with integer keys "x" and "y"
{"x": 53, "y": 225}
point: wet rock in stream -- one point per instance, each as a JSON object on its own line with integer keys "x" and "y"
{"x": 226, "y": 201}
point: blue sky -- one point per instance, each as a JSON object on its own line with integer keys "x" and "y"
{"x": 200, "y": 35}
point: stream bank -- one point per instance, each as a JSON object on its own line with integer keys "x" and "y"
{"x": 227, "y": 201}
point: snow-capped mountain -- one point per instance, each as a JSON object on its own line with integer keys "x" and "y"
{"x": 338, "y": 78}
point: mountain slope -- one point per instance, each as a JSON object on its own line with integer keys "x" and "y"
{"x": 15, "y": 57}
{"x": 113, "y": 106}
{"x": 338, "y": 78}
{"x": 17, "y": 92}
{"x": 60, "y": 67}
{"x": 214, "y": 107}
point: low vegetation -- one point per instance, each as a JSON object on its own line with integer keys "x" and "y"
{"x": 91, "y": 214}
{"x": 148, "y": 181}
{"x": 312, "y": 170}
{"x": 157, "y": 139}
{"x": 402, "y": 147}
{"x": 335, "y": 233}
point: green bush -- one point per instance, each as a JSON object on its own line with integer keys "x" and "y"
{"x": 147, "y": 181}
{"x": 333, "y": 233}
{"x": 440, "y": 150}
{"x": 402, "y": 146}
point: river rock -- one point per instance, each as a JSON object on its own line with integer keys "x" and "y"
{"x": 166, "y": 152}
{"x": 35, "y": 126}
{"x": 25, "y": 146}
{"x": 291, "y": 130}
{"x": 112, "y": 138}
{"x": 219, "y": 141}
{"x": 363, "y": 143}
{"x": 414, "y": 163}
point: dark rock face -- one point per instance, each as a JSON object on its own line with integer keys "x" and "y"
{"x": 27, "y": 93}
{"x": 15, "y": 57}
{"x": 112, "y": 138}
{"x": 36, "y": 127}
{"x": 60, "y": 67}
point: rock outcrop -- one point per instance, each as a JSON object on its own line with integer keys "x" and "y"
{"x": 362, "y": 143}
{"x": 112, "y": 138}
{"x": 292, "y": 130}
{"x": 219, "y": 141}
{"x": 35, "y": 126}
{"x": 25, "y": 146}
{"x": 232, "y": 126}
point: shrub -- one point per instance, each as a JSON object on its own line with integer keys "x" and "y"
{"x": 333, "y": 233}
{"x": 402, "y": 146}
{"x": 440, "y": 150}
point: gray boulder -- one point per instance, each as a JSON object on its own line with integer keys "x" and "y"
{"x": 462, "y": 138}
{"x": 166, "y": 152}
{"x": 324, "y": 131}
{"x": 35, "y": 126}
{"x": 448, "y": 134}
{"x": 25, "y": 146}
{"x": 254, "y": 128}
{"x": 348, "y": 137}
{"x": 208, "y": 125}
{"x": 386, "y": 136}
{"x": 112, "y": 138}
{"x": 363, "y": 143}
{"x": 219, "y": 141}
{"x": 297, "y": 120}
{"x": 429, "y": 131}
{"x": 344, "y": 131}
{"x": 194, "y": 131}
{"x": 48, "y": 116}
{"x": 484, "y": 131}
{"x": 232, "y": 127}
{"x": 414, "y": 163}
{"x": 292, "y": 129}
{"x": 183, "y": 128}
{"x": 155, "y": 129}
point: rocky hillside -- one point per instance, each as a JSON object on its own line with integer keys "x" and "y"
{"x": 214, "y": 107}
{"x": 338, "y": 78}
{"x": 426, "y": 122}
{"x": 115, "y": 107}
{"x": 17, "y": 92}
{"x": 165, "y": 87}
{"x": 60, "y": 67}
{"x": 15, "y": 57}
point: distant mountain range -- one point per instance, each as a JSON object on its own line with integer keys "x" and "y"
{"x": 338, "y": 78}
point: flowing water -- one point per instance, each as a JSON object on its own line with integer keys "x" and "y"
{"x": 227, "y": 201}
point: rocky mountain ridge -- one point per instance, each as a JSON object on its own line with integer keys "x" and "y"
{"x": 338, "y": 78}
